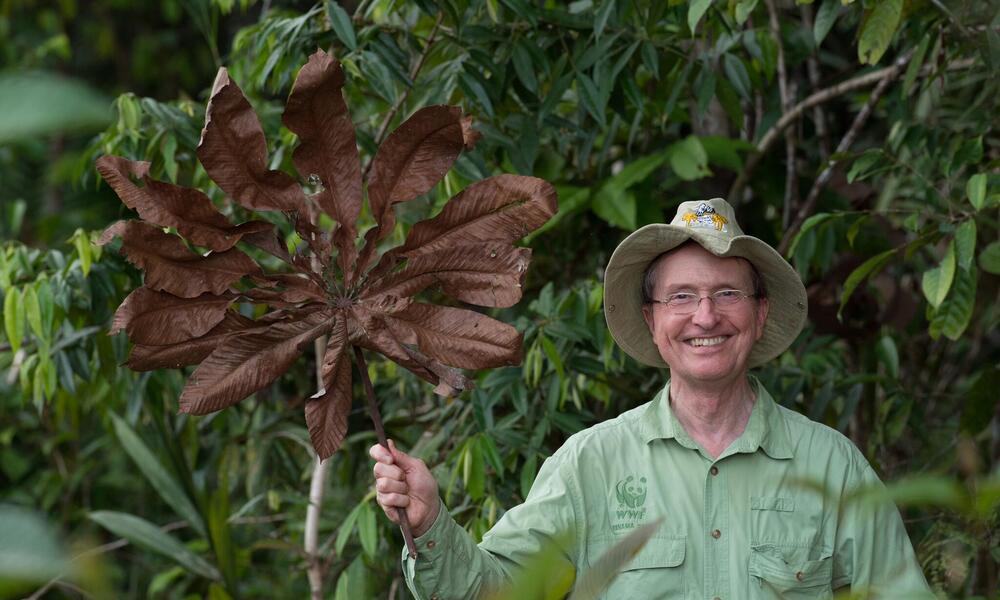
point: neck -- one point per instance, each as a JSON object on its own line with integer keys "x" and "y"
{"x": 713, "y": 416}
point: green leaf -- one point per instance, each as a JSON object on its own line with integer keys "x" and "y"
{"x": 145, "y": 535}
{"x": 954, "y": 314}
{"x": 989, "y": 258}
{"x": 980, "y": 401}
{"x": 975, "y": 190}
{"x": 937, "y": 281}
{"x": 808, "y": 225}
{"x": 13, "y": 317}
{"x": 637, "y": 170}
{"x": 616, "y": 206}
{"x": 866, "y": 269}
{"x": 596, "y": 579}
{"x": 473, "y": 470}
{"x": 524, "y": 67}
{"x": 688, "y": 159}
{"x": 602, "y": 17}
{"x": 590, "y": 98}
{"x": 965, "y": 244}
{"x": 888, "y": 355}
{"x": 737, "y": 74}
{"x": 528, "y": 472}
{"x": 863, "y": 163}
{"x": 492, "y": 454}
{"x": 650, "y": 58}
{"x": 81, "y": 241}
{"x": 696, "y": 10}
{"x": 340, "y": 21}
{"x": 367, "y": 532}
{"x": 920, "y": 490}
{"x": 743, "y": 10}
{"x": 166, "y": 486}
{"x": 825, "y": 18}
{"x": 704, "y": 89}
{"x": 549, "y": 347}
{"x": 34, "y": 312}
{"x": 878, "y": 29}
{"x": 34, "y": 104}
{"x": 378, "y": 76}
{"x": 347, "y": 528}
{"x": 913, "y": 69}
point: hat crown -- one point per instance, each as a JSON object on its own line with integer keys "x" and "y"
{"x": 714, "y": 217}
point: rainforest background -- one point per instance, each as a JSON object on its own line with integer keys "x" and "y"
{"x": 859, "y": 137}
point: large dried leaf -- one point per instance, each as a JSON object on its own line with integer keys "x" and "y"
{"x": 234, "y": 153}
{"x": 186, "y": 209}
{"x": 456, "y": 336}
{"x": 190, "y": 352}
{"x": 171, "y": 267}
{"x": 327, "y": 411}
{"x": 414, "y": 158}
{"x": 246, "y": 363}
{"x": 503, "y": 208}
{"x": 158, "y": 318}
{"x": 483, "y": 274}
{"x": 316, "y": 112}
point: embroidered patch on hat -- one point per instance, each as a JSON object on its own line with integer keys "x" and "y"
{"x": 705, "y": 216}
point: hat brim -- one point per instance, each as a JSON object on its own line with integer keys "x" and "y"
{"x": 623, "y": 290}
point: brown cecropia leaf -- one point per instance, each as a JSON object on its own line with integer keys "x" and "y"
{"x": 335, "y": 287}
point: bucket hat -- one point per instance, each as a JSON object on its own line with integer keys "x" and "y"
{"x": 712, "y": 224}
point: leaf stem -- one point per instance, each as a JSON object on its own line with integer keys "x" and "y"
{"x": 404, "y": 522}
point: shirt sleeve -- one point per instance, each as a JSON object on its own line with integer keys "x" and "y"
{"x": 873, "y": 552}
{"x": 451, "y": 566}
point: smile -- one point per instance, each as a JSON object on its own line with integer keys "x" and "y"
{"x": 706, "y": 341}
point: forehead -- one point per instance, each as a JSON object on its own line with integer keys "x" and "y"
{"x": 693, "y": 266}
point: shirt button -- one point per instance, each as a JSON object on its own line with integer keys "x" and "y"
{"x": 434, "y": 597}
{"x": 714, "y": 471}
{"x": 716, "y": 533}
{"x": 716, "y": 598}
{"x": 431, "y": 544}
{"x": 800, "y": 576}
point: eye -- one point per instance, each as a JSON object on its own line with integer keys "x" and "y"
{"x": 680, "y": 298}
{"x": 728, "y": 294}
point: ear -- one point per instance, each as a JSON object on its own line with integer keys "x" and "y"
{"x": 647, "y": 315}
{"x": 762, "y": 307}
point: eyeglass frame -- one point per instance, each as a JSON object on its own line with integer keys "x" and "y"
{"x": 711, "y": 297}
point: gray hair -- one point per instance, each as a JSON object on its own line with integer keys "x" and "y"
{"x": 649, "y": 280}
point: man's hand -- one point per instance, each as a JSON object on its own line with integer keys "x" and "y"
{"x": 402, "y": 481}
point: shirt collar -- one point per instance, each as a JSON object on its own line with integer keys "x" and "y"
{"x": 766, "y": 428}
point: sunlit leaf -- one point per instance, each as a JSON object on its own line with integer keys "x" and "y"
{"x": 878, "y": 29}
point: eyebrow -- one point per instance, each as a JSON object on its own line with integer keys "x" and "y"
{"x": 681, "y": 287}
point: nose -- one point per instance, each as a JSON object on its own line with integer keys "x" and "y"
{"x": 706, "y": 315}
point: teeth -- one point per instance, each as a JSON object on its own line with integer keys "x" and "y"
{"x": 706, "y": 341}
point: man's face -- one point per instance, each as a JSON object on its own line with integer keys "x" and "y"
{"x": 708, "y": 345}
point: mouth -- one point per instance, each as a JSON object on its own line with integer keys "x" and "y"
{"x": 700, "y": 342}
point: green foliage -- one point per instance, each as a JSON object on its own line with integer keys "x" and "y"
{"x": 628, "y": 108}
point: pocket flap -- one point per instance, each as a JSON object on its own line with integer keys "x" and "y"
{"x": 772, "y": 503}
{"x": 658, "y": 552}
{"x": 767, "y": 563}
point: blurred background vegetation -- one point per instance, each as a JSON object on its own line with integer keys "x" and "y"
{"x": 858, "y": 136}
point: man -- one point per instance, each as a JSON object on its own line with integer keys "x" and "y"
{"x": 757, "y": 501}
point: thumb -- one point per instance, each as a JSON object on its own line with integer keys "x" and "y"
{"x": 401, "y": 458}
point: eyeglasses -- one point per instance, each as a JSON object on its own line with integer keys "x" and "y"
{"x": 683, "y": 303}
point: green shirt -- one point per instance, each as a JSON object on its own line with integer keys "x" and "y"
{"x": 771, "y": 517}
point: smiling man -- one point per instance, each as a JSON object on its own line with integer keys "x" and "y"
{"x": 757, "y": 501}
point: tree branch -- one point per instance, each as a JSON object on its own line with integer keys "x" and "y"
{"x": 812, "y": 69}
{"x": 820, "y": 97}
{"x": 317, "y": 488}
{"x": 845, "y": 144}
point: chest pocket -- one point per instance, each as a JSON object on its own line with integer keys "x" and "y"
{"x": 657, "y": 571}
{"x": 772, "y": 576}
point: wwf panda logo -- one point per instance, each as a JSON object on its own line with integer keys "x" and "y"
{"x": 631, "y": 492}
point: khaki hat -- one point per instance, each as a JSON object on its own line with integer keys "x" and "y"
{"x": 712, "y": 224}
